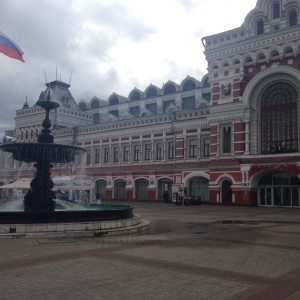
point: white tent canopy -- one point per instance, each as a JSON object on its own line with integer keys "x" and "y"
{"x": 21, "y": 184}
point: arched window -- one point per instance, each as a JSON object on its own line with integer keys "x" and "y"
{"x": 152, "y": 92}
{"x": 288, "y": 51}
{"x": 135, "y": 96}
{"x": 83, "y": 106}
{"x": 248, "y": 61}
{"x": 276, "y": 11}
{"x": 274, "y": 55}
{"x": 114, "y": 101}
{"x": 261, "y": 57}
{"x": 260, "y": 27}
{"x": 293, "y": 19}
{"x": 95, "y": 104}
{"x": 170, "y": 89}
{"x": 279, "y": 124}
{"x": 189, "y": 85}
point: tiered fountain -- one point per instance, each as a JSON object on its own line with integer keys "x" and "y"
{"x": 39, "y": 203}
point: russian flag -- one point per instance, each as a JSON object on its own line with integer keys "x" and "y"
{"x": 10, "y": 48}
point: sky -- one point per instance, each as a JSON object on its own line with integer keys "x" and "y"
{"x": 106, "y": 46}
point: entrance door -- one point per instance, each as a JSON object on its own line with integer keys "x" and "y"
{"x": 119, "y": 190}
{"x": 279, "y": 189}
{"x": 141, "y": 189}
{"x": 226, "y": 193}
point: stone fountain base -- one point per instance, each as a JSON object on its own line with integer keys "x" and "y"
{"x": 75, "y": 229}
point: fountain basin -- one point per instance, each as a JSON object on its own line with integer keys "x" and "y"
{"x": 96, "y": 213}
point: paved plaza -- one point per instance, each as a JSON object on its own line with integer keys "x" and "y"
{"x": 190, "y": 252}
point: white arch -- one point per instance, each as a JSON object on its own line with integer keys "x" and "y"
{"x": 119, "y": 178}
{"x": 195, "y": 174}
{"x": 135, "y": 179}
{"x": 164, "y": 177}
{"x": 223, "y": 177}
{"x": 100, "y": 178}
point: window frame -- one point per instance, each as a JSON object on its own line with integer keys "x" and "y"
{"x": 106, "y": 152}
{"x": 171, "y": 150}
{"x": 136, "y": 152}
{"x": 147, "y": 154}
{"x": 159, "y": 151}
{"x": 193, "y": 148}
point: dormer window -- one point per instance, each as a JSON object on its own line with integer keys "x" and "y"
{"x": 135, "y": 96}
{"x": 152, "y": 92}
{"x": 114, "y": 101}
{"x": 189, "y": 85}
{"x": 170, "y": 89}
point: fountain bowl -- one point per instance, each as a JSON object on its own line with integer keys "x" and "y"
{"x": 42, "y": 152}
{"x": 91, "y": 214}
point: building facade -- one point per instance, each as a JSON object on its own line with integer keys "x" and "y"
{"x": 231, "y": 137}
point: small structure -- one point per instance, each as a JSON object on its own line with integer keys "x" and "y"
{"x": 17, "y": 189}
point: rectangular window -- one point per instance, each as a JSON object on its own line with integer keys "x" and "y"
{"x": 136, "y": 152}
{"x": 188, "y": 102}
{"x": 97, "y": 156}
{"x": 114, "y": 113}
{"x": 147, "y": 151}
{"x": 226, "y": 139}
{"x": 193, "y": 148}
{"x": 106, "y": 155}
{"x": 152, "y": 108}
{"x": 88, "y": 158}
{"x": 116, "y": 154}
{"x": 159, "y": 151}
{"x": 126, "y": 153}
{"x": 206, "y": 145}
{"x": 135, "y": 111}
{"x": 171, "y": 150}
{"x": 168, "y": 103}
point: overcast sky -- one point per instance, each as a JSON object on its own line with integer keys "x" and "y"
{"x": 108, "y": 45}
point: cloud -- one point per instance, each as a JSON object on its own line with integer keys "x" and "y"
{"x": 108, "y": 45}
{"x": 189, "y": 4}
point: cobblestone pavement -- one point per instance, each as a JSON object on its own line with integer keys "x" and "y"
{"x": 192, "y": 252}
